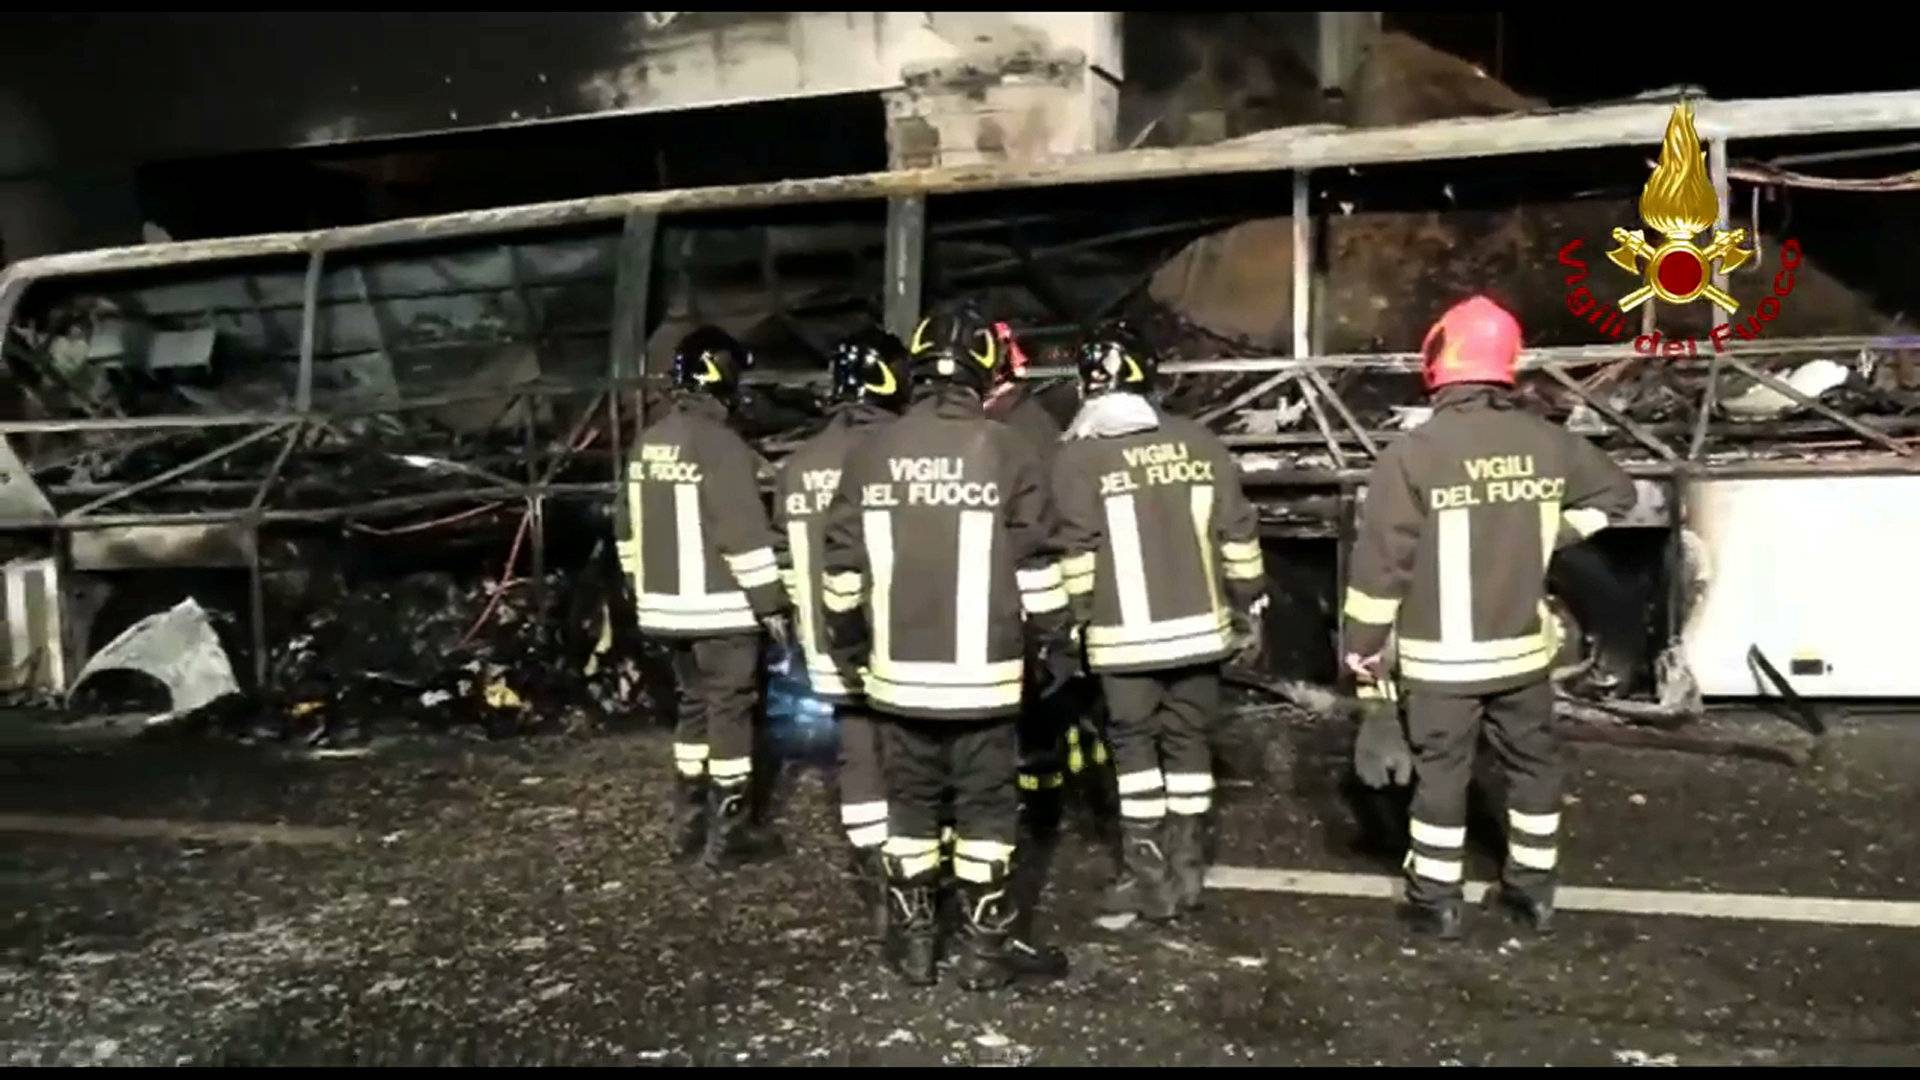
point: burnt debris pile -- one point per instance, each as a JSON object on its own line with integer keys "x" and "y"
{"x": 476, "y": 653}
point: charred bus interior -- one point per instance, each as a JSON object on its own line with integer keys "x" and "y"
{"x": 417, "y": 425}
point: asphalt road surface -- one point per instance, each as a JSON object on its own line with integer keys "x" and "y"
{"x": 452, "y": 902}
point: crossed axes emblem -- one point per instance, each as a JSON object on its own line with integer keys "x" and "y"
{"x": 1677, "y": 271}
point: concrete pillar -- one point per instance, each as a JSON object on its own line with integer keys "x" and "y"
{"x": 1341, "y": 40}
{"x": 1022, "y": 86}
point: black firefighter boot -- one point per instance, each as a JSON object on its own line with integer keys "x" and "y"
{"x": 729, "y": 824}
{"x": 1531, "y": 908}
{"x": 1436, "y": 919}
{"x": 1186, "y": 840}
{"x": 913, "y": 931}
{"x": 1033, "y": 855}
{"x": 868, "y": 872}
{"x": 1142, "y": 885}
{"x": 689, "y": 817}
{"x": 1432, "y": 911}
{"x": 994, "y": 954}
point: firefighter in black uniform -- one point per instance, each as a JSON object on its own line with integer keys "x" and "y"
{"x": 693, "y": 536}
{"x": 1161, "y": 561}
{"x": 1060, "y": 742}
{"x": 1011, "y": 402}
{"x": 1461, "y": 519}
{"x": 869, "y": 387}
{"x": 939, "y": 577}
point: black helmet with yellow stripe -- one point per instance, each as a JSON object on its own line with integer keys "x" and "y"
{"x": 710, "y": 361}
{"x": 957, "y": 346}
{"x": 1115, "y": 358}
{"x": 871, "y": 366}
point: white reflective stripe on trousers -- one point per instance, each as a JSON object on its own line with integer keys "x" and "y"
{"x": 1533, "y": 858}
{"x": 866, "y": 836}
{"x": 863, "y": 813}
{"x": 1189, "y": 783}
{"x": 1440, "y": 836}
{"x": 690, "y": 759}
{"x": 914, "y": 856}
{"x": 1448, "y": 871}
{"x": 1038, "y": 579}
{"x": 980, "y": 861}
{"x": 1543, "y": 825}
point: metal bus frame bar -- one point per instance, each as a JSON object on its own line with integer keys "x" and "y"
{"x": 1552, "y": 362}
{"x": 539, "y": 484}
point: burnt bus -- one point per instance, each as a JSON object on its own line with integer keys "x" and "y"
{"x": 472, "y": 380}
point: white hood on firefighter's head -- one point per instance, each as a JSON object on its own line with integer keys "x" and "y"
{"x": 1111, "y": 415}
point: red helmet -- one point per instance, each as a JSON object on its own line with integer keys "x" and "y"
{"x": 1477, "y": 340}
{"x": 1016, "y": 359}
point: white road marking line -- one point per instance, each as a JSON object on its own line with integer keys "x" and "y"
{"x": 112, "y": 828}
{"x": 1830, "y": 910}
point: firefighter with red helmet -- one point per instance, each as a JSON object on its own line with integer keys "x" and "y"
{"x": 1061, "y": 749}
{"x": 1461, "y": 519}
{"x": 1012, "y": 402}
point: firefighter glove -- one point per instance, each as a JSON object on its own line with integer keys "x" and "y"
{"x": 848, "y": 640}
{"x": 1055, "y": 663}
{"x": 1366, "y": 669}
{"x": 1247, "y": 643}
{"x": 1381, "y": 755}
{"x": 779, "y": 627}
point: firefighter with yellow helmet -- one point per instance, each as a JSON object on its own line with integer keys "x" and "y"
{"x": 940, "y": 584}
